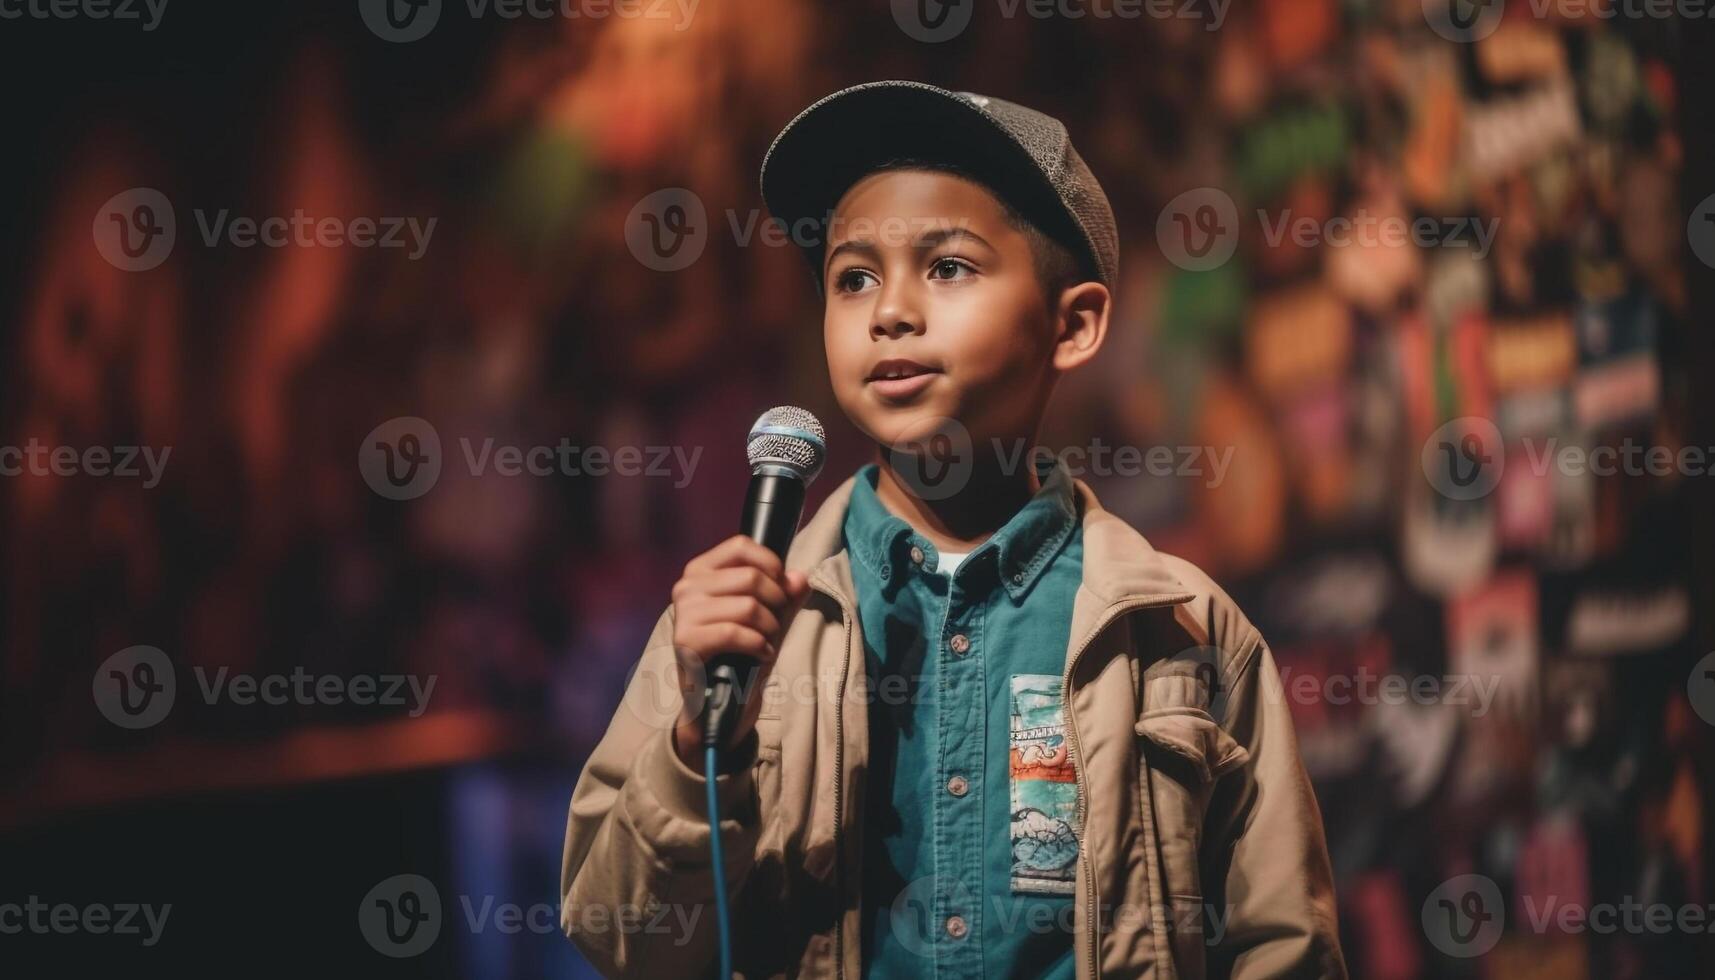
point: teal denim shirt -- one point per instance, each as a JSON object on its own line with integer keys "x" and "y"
{"x": 971, "y": 843}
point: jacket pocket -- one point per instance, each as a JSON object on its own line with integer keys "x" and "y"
{"x": 1184, "y": 752}
{"x": 1189, "y": 740}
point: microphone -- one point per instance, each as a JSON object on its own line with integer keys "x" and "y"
{"x": 786, "y": 448}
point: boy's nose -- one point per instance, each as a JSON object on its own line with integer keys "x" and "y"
{"x": 895, "y": 314}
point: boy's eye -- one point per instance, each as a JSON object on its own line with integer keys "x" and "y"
{"x": 950, "y": 268}
{"x": 851, "y": 280}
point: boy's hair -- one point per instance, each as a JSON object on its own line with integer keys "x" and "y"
{"x": 1057, "y": 264}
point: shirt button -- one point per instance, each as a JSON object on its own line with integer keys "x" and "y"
{"x": 956, "y": 926}
{"x": 916, "y": 555}
{"x": 959, "y": 644}
{"x": 1018, "y": 578}
{"x": 958, "y": 786}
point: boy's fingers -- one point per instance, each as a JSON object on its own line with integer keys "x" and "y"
{"x": 745, "y": 580}
{"x": 717, "y": 638}
{"x": 737, "y": 550}
{"x": 797, "y": 586}
{"x": 711, "y": 558}
{"x": 742, "y": 609}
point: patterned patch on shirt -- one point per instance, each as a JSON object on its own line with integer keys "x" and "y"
{"x": 1044, "y": 790}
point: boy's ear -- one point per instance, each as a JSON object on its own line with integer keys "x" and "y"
{"x": 1081, "y": 318}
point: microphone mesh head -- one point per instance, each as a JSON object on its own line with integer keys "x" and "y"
{"x": 787, "y": 437}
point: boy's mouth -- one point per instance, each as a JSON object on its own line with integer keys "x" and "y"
{"x": 897, "y": 378}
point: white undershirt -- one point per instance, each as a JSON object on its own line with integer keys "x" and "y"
{"x": 950, "y": 561}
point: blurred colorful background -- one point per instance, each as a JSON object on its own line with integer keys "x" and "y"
{"x": 1557, "y": 152}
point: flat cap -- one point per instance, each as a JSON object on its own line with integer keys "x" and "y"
{"x": 1024, "y": 156}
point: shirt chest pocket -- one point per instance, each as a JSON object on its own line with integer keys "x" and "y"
{"x": 1043, "y": 787}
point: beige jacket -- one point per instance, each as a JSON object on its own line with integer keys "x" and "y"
{"x": 1202, "y": 852}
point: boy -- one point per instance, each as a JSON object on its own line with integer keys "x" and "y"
{"x": 997, "y": 733}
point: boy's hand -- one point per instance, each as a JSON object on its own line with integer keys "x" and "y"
{"x": 734, "y": 598}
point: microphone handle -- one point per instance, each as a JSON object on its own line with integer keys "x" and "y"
{"x": 772, "y": 506}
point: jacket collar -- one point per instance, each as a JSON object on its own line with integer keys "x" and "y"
{"x": 1120, "y": 565}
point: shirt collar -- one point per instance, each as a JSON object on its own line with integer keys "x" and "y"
{"x": 1023, "y": 547}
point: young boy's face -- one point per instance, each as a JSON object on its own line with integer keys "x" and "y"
{"x": 926, "y": 278}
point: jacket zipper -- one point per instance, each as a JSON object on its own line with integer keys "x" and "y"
{"x": 839, "y": 789}
{"x": 1110, "y": 614}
